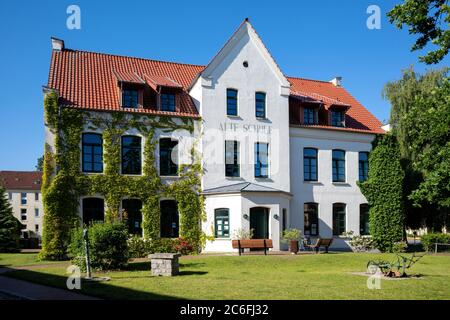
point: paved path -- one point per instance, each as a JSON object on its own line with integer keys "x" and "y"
{"x": 10, "y": 287}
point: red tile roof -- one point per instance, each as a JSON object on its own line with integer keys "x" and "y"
{"x": 88, "y": 80}
{"x": 357, "y": 119}
{"x": 21, "y": 180}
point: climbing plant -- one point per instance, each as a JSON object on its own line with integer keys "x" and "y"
{"x": 64, "y": 183}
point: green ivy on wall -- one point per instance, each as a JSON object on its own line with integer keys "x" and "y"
{"x": 64, "y": 183}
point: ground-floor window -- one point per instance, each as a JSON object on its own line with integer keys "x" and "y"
{"x": 131, "y": 212}
{"x": 169, "y": 219}
{"x": 364, "y": 219}
{"x": 339, "y": 219}
{"x": 311, "y": 216}
{"x": 93, "y": 210}
{"x": 222, "y": 223}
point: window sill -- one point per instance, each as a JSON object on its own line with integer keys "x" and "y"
{"x": 343, "y": 184}
{"x": 92, "y": 173}
{"x": 131, "y": 175}
{"x": 234, "y": 178}
{"x": 263, "y": 179}
{"x": 312, "y": 182}
{"x": 234, "y": 117}
{"x": 263, "y": 119}
{"x": 224, "y": 239}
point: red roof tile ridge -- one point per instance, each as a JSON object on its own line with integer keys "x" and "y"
{"x": 301, "y": 78}
{"x": 131, "y": 57}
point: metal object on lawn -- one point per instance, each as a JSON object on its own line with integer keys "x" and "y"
{"x": 394, "y": 269}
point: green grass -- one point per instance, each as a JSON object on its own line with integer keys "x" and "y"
{"x": 324, "y": 276}
{"x": 20, "y": 259}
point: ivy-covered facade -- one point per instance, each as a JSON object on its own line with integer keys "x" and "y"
{"x": 65, "y": 184}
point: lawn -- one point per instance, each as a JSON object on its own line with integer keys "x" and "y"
{"x": 323, "y": 276}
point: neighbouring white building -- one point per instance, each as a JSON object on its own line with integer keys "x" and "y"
{"x": 23, "y": 190}
{"x": 277, "y": 152}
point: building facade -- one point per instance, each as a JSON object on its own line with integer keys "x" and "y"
{"x": 276, "y": 152}
{"x": 23, "y": 190}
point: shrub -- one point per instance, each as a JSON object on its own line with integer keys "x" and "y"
{"x": 399, "y": 246}
{"x": 138, "y": 247}
{"x": 291, "y": 234}
{"x": 243, "y": 234}
{"x": 107, "y": 245}
{"x": 360, "y": 243}
{"x": 428, "y": 240}
{"x": 384, "y": 191}
{"x": 183, "y": 246}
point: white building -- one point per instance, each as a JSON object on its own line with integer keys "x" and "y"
{"x": 23, "y": 190}
{"x": 277, "y": 152}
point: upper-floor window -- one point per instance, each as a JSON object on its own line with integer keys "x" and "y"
{"x": 10, "y": 196}
{"x": 36, "y": 212}
{"x": 232, "y": 102}
{"x": 130, "y": 98}
{"x": 260, "y": 104}
{"x": 232, "y": 159}
{"x": 168, "y": 157}
{"x": 310, "y": 116}
{"x": 261, "y": 160}
{"x": 92, "y": 152}
{"x": 221, "y": 223}
{"x": 338, "y": 166}
{"x": 311, "y": 219}
{"x": 36, "y": 228}
{"x": 363, "y": 165}
{"x": 23, "y": 198}
{"x": 167, "y": 102}
{"x": 131, "y": 155}
{"x": 337, "y": 118}
{"x": 23, "y": 214}
{"x": 364, "y": 219}
{"x": 310, "y": 164}
{"x": 339, "y": 219}
{"x": 36, "y": 196}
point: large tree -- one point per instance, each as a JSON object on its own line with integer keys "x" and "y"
{"x": 9, "y": 226}
{"x": 420, "y": 118}
{"x": 384, "y": 192}
{"x": 430, "y": 20}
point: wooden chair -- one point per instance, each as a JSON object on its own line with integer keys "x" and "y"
{"x": 320, "y": 242}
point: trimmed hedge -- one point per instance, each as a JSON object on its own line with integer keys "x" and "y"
{"x": 107, "y": 245}
{"x": 140, "y": 247}
{"x": 428, "y": 240}
{"x": 384, "y": 192}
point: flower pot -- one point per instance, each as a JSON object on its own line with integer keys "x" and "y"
{"x": 293, "y": 246}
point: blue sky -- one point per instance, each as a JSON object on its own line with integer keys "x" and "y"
{"x": 311, "y": 39}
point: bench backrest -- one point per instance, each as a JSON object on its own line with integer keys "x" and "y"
{"x": 325, "y": 242}
{"x": 252, "y": 243}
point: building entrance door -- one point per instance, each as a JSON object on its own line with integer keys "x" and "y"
{"x": 259, "y": 222}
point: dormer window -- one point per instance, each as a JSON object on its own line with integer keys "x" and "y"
{"x": 130, "y": 98}
{"x": 168, "y": 102}
{"x": 337, "y": 118}
{"x": 310, "y": 116}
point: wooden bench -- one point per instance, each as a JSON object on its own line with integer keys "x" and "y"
{"x": 252, "y": 244}
{"x": 320, "y": 242}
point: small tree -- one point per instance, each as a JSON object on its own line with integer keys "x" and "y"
{"x": 384, "y": 191}
{"x": 9, "y": 226}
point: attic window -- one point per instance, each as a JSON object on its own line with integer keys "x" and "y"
{"x": 337, "y": 118}
{"x": 168, "y": 102}
{"x": 130, "y": 98}
{"x": 245, "y": 64}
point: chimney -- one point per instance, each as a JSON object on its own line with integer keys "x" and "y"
{"x": 57, "y": 44}
{"x": 337, "y": 82}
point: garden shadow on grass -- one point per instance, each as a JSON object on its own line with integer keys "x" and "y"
{"x": 106, "y": 290}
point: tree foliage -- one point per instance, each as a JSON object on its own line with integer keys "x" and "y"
{"x": 420, "y": 118}
{"x": 384, "y": 192}
{"x": 430, "y": 20}
{"x": 9, "y": 226}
